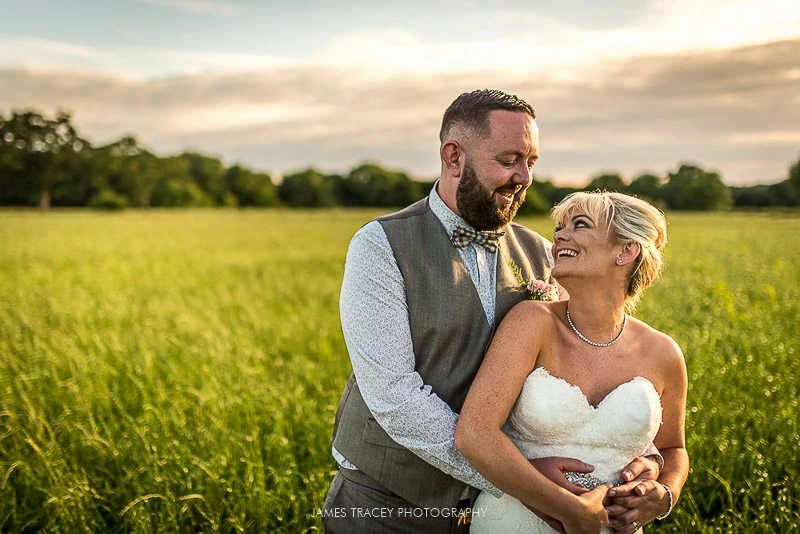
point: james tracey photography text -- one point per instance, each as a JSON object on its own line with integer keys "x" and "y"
{"x": 343, "y": 512}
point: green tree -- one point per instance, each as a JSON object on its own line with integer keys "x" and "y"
{"x": 174, "y": 193}
{"x": 753, "y": 196}
{"x": 535, "y": 203}
{"x": 794, "y": 181}
{"x": 308, "y": 189}
{"x": 551, "y": 193}
{"x": 783, "y": 195}
{"x": 108, "y": 200}
{"x": 208, "y": 173}
{"x": 250, "y": 188}
{"x": 647, "y": 186}
{"x": 78, "y": 180}
{"x": 370, "y": 184}
{"x": 175, "y": 186}
{"x": 130, "y": 169}
{"x": 693, "y": 188}
{"x": 35, "y": 152}
{"x": 607, "y": 182}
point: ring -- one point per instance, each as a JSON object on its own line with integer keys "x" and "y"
{"x": 635, "y": 525}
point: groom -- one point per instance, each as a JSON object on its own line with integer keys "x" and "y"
{"x": 423, "y": 291}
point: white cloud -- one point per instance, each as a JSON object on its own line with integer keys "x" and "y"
{"x": 203, "y": 7}
{"x": 710, "y": 24}
{"x": 186, "y": 61}
{"x": 126, "y": 61}
{"x": 768, "y": 137}
{"x": 521, "y": 43}
{"x": 528, "y": 43}
{"x": 24, "y": 51}
{"x": 229, "y": 116}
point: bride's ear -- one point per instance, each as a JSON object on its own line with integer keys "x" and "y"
{"x": 629, "y": 253}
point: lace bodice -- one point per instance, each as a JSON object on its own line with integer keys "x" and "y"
{"x": 554, "y": 418}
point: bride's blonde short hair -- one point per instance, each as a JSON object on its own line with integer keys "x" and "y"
{"x": 632, "y": 220}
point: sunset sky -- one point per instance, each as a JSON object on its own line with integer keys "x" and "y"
{"x": 626, "y": 86}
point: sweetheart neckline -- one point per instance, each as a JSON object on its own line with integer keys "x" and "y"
{"x": 578, "y": 389}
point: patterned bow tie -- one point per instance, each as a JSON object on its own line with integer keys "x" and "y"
{"x": 464, "y": 236}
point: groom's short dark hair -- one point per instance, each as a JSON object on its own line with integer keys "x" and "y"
{"x": 472, "y": 110}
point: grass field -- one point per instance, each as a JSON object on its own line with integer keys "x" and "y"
{"x": 179, "y": 371}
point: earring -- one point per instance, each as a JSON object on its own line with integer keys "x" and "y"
{"x": 619, "y": 261}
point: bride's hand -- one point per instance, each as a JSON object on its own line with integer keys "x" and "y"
{"x": 639, "y": 501}
{"x": 551, "y": 521}
{"x": 591, "y": 515}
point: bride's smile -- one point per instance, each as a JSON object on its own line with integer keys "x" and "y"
{"x": 583, "y": 246}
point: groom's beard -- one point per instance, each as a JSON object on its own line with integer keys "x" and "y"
{"x": 477, "y": 205}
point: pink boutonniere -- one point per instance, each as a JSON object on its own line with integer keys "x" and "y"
{"x": 536, "y": 289}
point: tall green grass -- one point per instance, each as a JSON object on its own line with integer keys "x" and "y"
{"x": 179, "y": 371}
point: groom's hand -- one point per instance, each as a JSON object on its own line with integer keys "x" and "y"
{"x": 641, "y": 468}
{"x": 640, "y": 501}
{"x": 635, "y": 498}
{"x": 553, "y": 468}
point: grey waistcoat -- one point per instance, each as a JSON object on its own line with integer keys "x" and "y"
{"x": 450, "y": 335}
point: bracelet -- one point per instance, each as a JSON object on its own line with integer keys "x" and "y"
{"x": 671, "y": 502}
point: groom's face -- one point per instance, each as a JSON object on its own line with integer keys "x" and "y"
{"x": 498, "y": 170}
{"x": 478, "y": 205}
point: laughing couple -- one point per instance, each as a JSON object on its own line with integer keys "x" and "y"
{"x": 466, "y": 394}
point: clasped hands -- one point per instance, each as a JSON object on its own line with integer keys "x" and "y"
{"x": 636, "y": 502}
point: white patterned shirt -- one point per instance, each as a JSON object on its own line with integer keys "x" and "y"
{"x": 377, "y": 333}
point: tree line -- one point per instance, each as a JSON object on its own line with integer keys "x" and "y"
{"x": 45, "y": 162}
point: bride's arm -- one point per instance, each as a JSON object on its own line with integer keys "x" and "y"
{"x": 648, "y": 500}
{"x": 479, "y": 436}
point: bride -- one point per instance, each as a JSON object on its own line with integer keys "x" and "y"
{"x": 581, "y": 379}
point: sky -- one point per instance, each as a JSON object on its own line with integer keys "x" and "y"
{"x": 627, "y": 86}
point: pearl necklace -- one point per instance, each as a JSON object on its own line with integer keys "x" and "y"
{"x": 592, "y": 343}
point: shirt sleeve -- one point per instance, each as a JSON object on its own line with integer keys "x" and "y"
{"x": 548, "y": 252}
{"x": 375, "y": 323}
{"x": 654, "y": 453}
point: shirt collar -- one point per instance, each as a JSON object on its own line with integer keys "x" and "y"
{"x": 447, "y": 217}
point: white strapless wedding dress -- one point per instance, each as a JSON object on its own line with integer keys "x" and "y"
{"x": 554, "y": 418}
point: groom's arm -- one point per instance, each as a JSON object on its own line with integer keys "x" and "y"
{"x": 374, "y": 316}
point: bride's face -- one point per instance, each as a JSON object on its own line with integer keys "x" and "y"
{"x": 584, "y": 247}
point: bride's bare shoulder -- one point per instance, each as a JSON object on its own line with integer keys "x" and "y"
{"x": 658, "y": 346}
{"x": 537, "y": 309}
{"x": 535, "y": 315}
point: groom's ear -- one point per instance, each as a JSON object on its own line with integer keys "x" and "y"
{"x": 452, "y": 154}
{"x": 629, "y": 253}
